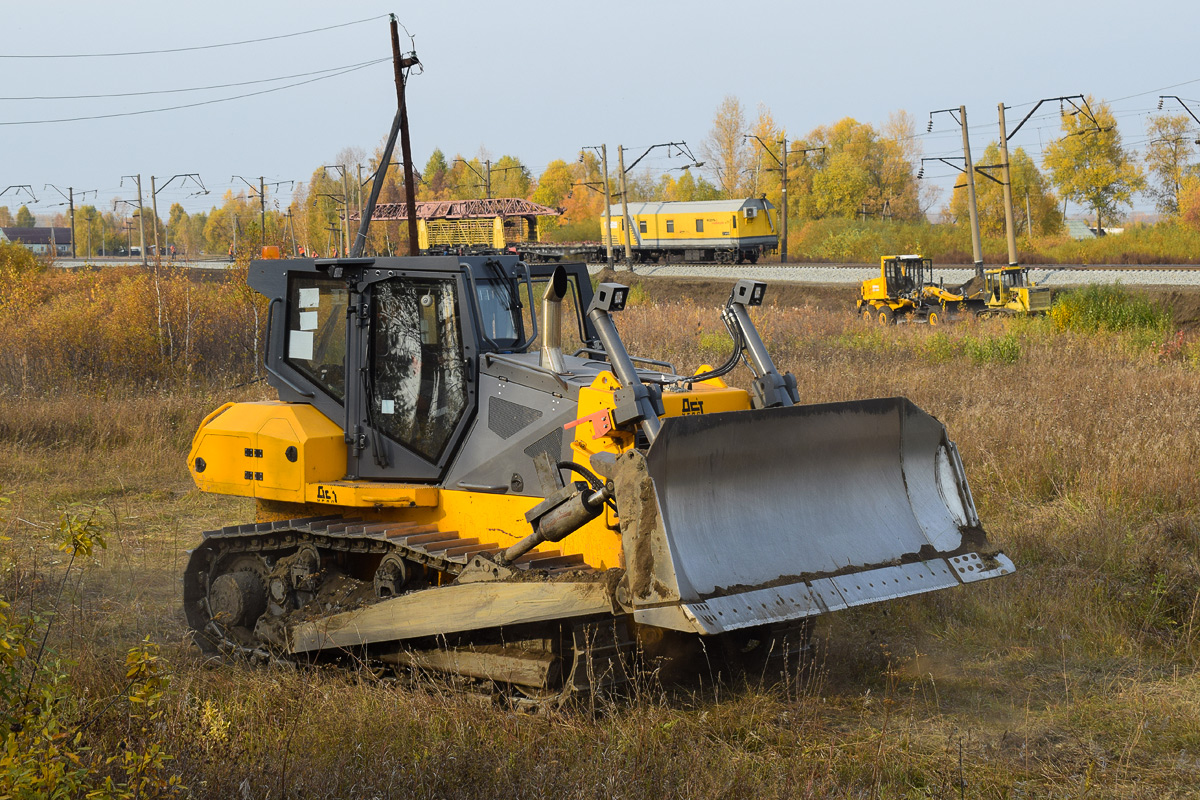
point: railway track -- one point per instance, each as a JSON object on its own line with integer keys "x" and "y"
{"x": 1046, "y": 275}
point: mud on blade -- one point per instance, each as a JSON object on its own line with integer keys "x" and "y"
{"x": 777, "y": 514}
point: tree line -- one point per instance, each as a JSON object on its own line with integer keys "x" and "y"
{"x": 845, "y": 170}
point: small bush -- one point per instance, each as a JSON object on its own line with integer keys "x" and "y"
{"x": 1107, "y": 308}
{"x": 1004, "y": 349}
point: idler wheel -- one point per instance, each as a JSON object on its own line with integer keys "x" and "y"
{"x": 390, "y": 576}
{"x": 237, "y": 598}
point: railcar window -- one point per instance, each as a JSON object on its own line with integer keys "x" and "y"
{"x": 316, "y": 336}
{"x": 642, "y": 225}
{"x": 699, "y": 226}
{"x": 735, "y": 222}
{"x": 670, "y": 226}
{"x": 419, "y": 391}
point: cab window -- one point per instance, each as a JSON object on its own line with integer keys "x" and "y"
{"x": 418, "y": 393}
{"x": 499, "y": 313}
{"x": 316, "y": 335}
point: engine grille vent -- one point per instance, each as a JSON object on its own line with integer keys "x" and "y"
{"x": 507, "y": 419}
{"x": 551, "y": 444}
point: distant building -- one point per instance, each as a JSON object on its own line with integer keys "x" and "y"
{"x": 1078, "y": 229}
{"x": 40, "y": 240}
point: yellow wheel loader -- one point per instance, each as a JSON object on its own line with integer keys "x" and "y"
{"x": 905, "y": 290}
{"x": 441, "y": 487}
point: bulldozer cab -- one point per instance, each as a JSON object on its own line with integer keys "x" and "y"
{"x": 412, "y": 332}
{"x": 1002, "y": 282}
{"x": 906, "y": 274}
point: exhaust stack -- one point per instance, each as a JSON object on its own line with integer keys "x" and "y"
{"x": 556, "y": 290}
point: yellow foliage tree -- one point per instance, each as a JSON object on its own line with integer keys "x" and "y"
{"x": 859, "y": 173}
{"x": 1168, "y": 158}
{"x": 1027, "y": 180}
{"x": 726, "y": 155}
{"x": 1089, "y": 165}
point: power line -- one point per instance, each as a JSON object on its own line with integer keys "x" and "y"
{"x": 197, "y": 104}
{"x": 194, "y": 88}
{"x": 197, "y": 47}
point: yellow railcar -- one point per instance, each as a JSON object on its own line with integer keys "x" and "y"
{"x": 705, "y": 230}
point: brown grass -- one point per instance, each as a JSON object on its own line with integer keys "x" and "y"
{"x": 1075, "y": 677}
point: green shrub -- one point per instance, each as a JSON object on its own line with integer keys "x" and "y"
{"x": 1004, "y": 349}
{"x": 938, "y": 348}
{"x": 1107, "y": 308}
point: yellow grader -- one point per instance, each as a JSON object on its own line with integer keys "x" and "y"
{"x": 905, "y": 290}
{"x": 440, "y": 486}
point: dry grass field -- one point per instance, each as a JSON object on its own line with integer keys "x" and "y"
{"x": 1076, "y": 677}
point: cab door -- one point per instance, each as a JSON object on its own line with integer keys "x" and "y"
{"x": 414, "y": 394}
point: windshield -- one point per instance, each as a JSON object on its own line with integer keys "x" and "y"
{"x": 499, "y": 316}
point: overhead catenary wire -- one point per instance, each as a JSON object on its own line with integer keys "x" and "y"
{"x": 364, "y": 65}
{"x": 193, "y": 88}
{"x": 193, "y": 48}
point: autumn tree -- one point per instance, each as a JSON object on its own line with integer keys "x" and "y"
{"x": 555, "y": 184}
{"x": 1189, "y": 202}
{"x": 1168, "y": 159}
{"x": 1089, "y": 165}
{"x": 726, "y": 155}
{"x": 1027, "y": 181}
{"x": 6, "y": 218}
{"x": 25, "y": 218}
{"x": 510, "y": 178}
{"x": 685, "y": 189}
{"x": 858, "y": 172}
{"x": 764, "y": 178}
{"x": 467, "y": 178}
{"x": 435, "y": 178}
{"x": 583, "y": 207}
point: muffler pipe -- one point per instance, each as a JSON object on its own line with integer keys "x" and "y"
{"x": 556, "y": 290}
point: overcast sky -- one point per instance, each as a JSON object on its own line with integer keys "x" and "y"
{"x": 540, "y": 80}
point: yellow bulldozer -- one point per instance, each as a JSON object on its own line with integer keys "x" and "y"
{"x": 905, "y": 290}
{"x": 442, "y": 487}
{"x": 1008, "y": 290}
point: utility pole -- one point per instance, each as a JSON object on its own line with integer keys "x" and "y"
{"x": 345, "y": 211}
{"x": 262, "y": 213}
{"x": 154, "y": 208}
{"x": 1010, "y": 228}
{"x": 360, "y": 197}
{"x": 625, "y": 223}
{"x": 399, "y": 126}
{"x": 292, "y": 230}
{"x": 783, "y": 171}
{"x": 410, "y": 189}
{"x": 783, "y": 213}
{"x": 976, "y": 244}
{"x": 607, "y": 207}
{"x": 154, "y": 190}
{"x": 70, "y": 198}
{"x": 1028, "y": 217}
{"x": 141, "y": 216}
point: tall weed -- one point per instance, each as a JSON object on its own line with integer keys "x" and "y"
{"x": 1107, "y": 308}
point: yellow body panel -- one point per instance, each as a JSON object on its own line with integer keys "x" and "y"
{"x": 243, "y": 449}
